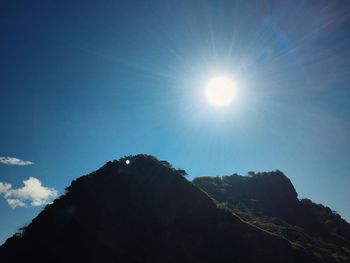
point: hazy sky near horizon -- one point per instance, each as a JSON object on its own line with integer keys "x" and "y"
{"x": 85, "y": 82}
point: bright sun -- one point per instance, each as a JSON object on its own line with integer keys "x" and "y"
{"x": 220, "y": 91}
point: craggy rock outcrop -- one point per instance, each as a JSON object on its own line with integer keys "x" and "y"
{"x": 269, "y": 201}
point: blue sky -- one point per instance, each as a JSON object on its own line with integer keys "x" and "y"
{"x": 85, "y": 82}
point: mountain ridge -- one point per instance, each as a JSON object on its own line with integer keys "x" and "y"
{"x": 140, "y": 209}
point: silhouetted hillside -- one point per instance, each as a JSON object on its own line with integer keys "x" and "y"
{"x": 269, "y": 201}
{"x": 142, "y": 211}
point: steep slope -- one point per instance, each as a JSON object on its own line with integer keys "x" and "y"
{"x": 142, "y": 210}
{"x": 269, "y": 201}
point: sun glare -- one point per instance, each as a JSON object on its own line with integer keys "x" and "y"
{"x": 220, "y": 91}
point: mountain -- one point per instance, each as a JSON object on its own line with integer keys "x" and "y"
{"x": 140, "y": 209}
{"x": 269, "y": 201}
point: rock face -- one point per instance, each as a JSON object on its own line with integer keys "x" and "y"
{"x": 269, "y": 201}
{"x": 269, "y": 193}
{"x": 143, "y": 211}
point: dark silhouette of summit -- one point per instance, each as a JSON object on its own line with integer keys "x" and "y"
{"x": 269, "y": 201}
{"x": 144, "y": 210}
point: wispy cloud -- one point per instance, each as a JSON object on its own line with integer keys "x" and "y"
{"x": 14, "y": 161}
{"x": 33, "y": 193}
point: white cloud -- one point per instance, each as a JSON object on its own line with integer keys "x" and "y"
{"x": 4, "y": 187}
{"x": 33, "y": 193}
{"x": 15, "y": 203}
{"x": 14, "y": 161}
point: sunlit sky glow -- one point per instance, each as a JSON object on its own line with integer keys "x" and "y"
{"x": 82, "y": 84}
